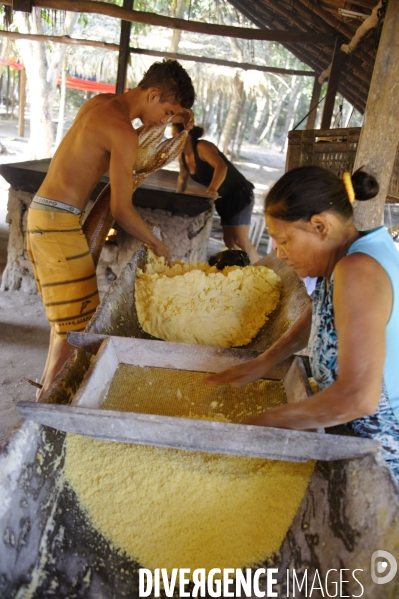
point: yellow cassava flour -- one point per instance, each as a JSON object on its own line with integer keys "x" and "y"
{"x": 178, "y": 509}
{"x": 197, "y": 303}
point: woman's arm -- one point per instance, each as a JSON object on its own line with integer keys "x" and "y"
{"x": 362, "y": 305}
{"x": 208, "y": 152}
{"x": 182, "y": 179}
{"x": 292, "y": 341}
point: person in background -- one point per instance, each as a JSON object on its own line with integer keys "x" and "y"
{"x": 101, "y": 139}
{"x": 233, "y": 194}
{"x": 352, "y": 328}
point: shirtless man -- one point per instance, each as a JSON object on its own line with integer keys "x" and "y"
{"x": 101, "y": 139}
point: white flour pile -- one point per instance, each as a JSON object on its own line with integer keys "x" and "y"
{"x": 196, "y": 303}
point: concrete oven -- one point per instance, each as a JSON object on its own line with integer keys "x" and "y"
{"x": 183, "y": 220}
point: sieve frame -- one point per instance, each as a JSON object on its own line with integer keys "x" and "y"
{"x": 111, "y": 351}
{"x": 84, "y": 416}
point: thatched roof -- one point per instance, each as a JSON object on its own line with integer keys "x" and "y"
{"x": 323, "y": 16}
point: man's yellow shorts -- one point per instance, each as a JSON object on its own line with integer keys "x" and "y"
{"x": 64, "y": 269}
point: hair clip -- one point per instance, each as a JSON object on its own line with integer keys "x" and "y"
{"x": 347, "y": 179}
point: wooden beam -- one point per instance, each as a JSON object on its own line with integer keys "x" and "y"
{"x": 22, "y": 5}
{"x": 58, "y": 39}
{"x": 333, "y": 81}
{"x": 379, "y": 136}
{"x": 110, "y": 10}
{"x": 124, "y": 50}
{"x": 245, "y": 66}
{"x": 336, "y": 23}
{"x": 65, "y": 39}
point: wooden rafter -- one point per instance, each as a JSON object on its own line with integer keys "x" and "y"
{"x": 354, "y": 86}
{"x": 65, "y": 39}
{"x": 110, "y": 10}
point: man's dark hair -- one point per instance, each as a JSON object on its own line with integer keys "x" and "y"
{"x": 173, "y": 81}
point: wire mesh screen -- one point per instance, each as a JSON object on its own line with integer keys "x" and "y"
{"x": 182, "y": 393}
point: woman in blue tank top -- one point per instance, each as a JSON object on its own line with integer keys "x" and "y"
{"x": 352, "y": 330}
{"x": 233, "y": 194}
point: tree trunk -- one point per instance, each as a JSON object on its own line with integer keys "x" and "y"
{"x": 248, "y": 107}
{"x": 42, "y": 71}
{"x": 283, "y": 93}
{"x": 219, "y": 118}
{"x": 260, "y": 109}
{"x": 292, "y": 104}
{"x": 5, "y": 54}
{"x": 61, "y": 112}
{"x": 210, "y": 112}
{"x": 8, "y": 89}
{"x": 12, "y": 93}
{"x": 177, "y": 11}
{"x": 233, "y": 114}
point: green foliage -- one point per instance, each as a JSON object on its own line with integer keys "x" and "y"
{"x": 46, "y": 16}
{"x": 83, "y": 19}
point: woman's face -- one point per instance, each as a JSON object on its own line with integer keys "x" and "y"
{"x": 299, "y": 244}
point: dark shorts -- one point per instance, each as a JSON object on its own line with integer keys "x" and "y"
{"x": 242, "y": 218}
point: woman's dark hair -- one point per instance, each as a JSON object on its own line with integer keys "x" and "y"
{"x": 308, "y": 190}
{"x": 178, "y": 126}
{"x": 196, "y": 132}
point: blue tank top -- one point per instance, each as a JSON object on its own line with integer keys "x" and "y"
{"x": 378, "y": 244}
{"x": 383, "y": 425}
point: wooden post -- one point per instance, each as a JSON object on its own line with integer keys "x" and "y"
{"x": 124, "y": 50}
{"x": 313, "y": 104}
{"x": 333, "y": 80}
{"x": 379, "y": 136}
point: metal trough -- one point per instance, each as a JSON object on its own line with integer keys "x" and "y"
{"x": 350, "y": 509}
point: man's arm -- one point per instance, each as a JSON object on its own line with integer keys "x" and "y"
{"x": 209, "y": 153}
{"x": 124, "y": 147}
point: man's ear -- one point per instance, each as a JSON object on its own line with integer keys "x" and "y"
{"x": 153, "y": 95}
{"x": 320, "y": 225}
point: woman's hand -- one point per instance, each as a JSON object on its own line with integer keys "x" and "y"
{"x": 212, "y": 193}
{"x": 241, "y": 375}
{"x": 292, "y": 341}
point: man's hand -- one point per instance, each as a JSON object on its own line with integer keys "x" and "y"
{"x": 161, "y": 249}
{"x": 185, "y": 116}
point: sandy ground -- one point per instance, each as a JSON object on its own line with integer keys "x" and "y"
{"x": 24, "y": 330}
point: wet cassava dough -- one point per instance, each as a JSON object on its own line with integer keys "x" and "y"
{"x": 169, "y": 509}
{"x": 196, "y": 303}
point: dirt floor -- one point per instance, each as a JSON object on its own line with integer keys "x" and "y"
{"x": 24, "y": 329}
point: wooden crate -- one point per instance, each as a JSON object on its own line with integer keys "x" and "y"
{"x": 334, "y": 149}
